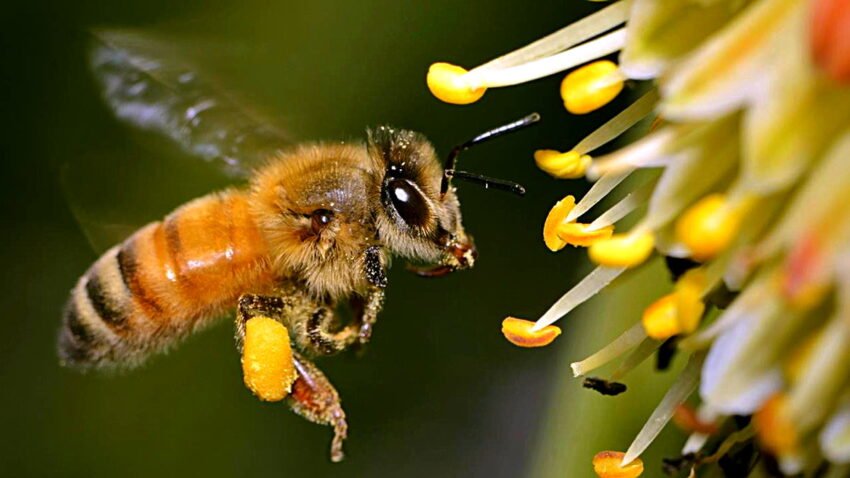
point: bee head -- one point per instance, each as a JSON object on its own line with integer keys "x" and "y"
{"x": 420, "y": 217}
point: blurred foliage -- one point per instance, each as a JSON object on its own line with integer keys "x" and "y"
{"x": 438, "y": 393}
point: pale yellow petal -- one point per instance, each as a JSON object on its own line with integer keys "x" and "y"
{"x": 724, "y": 73}
{"x": 662, "y": 31}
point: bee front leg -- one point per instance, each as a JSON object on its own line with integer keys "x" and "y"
{"x": 368, "y": 307}
{"x": 314, "y": 398}
{"x": 322, "y": 331}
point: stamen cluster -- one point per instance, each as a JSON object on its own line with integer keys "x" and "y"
{"x": 744, "y": 181}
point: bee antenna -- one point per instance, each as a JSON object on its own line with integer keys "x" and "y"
{"x": 487, "y": 182}
{"x": 451, "y": 162}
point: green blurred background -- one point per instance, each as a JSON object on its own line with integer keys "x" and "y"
{"x": 439, "y": 391}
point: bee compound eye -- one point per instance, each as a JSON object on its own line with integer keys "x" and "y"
{"x": 408, "y": 202}
{"x": 320, "y": 219}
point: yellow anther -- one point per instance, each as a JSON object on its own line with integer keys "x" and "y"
{"x": 267, "y": 366}
{"x": 688, "y": 295}
{"x": 578, "y": 234}
{"x": 447, "y": 83}
{"x": 776, "y": 433}
{"x": 707, "y": 227}
{"x": 569, "y": 165}
{"x": 557, "y": 233}
{"x": 518, "y": 332}
{"x": 606, "y": 464}
{"x": 556, "y": 216}
{"x": 678, "y": 312}
{"x": 659, "y": 319}
{"x": 623, "y": 250}
{"x": 591, "y": 87}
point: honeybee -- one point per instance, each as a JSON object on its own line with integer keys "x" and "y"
{"x": 314, "y": 230}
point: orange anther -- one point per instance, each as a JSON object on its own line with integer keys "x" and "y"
{"x": 518, "y": 332}
{"x": 606, "y": 464}
{"x": 686, "y": 418}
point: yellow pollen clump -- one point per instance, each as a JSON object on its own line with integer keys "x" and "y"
{"x": 578, "y": 234}
{"x": 447, "y": 83}
{"x": 678, "y": 312}
{"x": 518, "y": 332}
{"x": 775, "y": 431}
{"x": 606, "y": 464}
{"x": 622, "y": 250}
{"x": 591, "y": 87}
{"x": 569, "y": 165}
{"x": 267, "y": 366}
{"x": 707, "y": 227}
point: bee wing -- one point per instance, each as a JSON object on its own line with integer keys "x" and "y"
{"x": 148, "y": 86}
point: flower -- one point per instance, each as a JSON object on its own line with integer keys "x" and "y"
{"x": 749, "y": 180}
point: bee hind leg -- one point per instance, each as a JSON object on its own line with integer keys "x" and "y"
{"x": 253, "y": 305}
{"x": 314, "y": 398}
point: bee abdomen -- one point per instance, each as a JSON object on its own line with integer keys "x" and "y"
{"x": 95, "y": 321}
{"x": 163, "y": 282}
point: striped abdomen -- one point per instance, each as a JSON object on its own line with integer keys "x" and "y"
{"x": 164, "y": 281}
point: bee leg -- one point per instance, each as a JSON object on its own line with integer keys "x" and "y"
{"x": 323, "y": 332}
{"x": 253, "y": 305}
{"x": 374, "y": 267}
{"x": 324, "y": 337}
{"x": 314, "y": 398}
{"x": 368, "y": 308}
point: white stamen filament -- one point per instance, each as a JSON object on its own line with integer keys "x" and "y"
{"x": 632, "y": 201}
{"x": 622, "y": 344}
{"x": 695, "y": 443}
{"x": 597, "y": 192}
{"x": 550, "y": 65}
{"x": 643, "y": 352}
{"x": 647, "y": 153}
{"x": 685, "y": 384}
{"x": 697, "y": 440}
{"x": 619, "y": 124}
{"x": 573, "y": 34}
{"x": 592, "y": 283}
